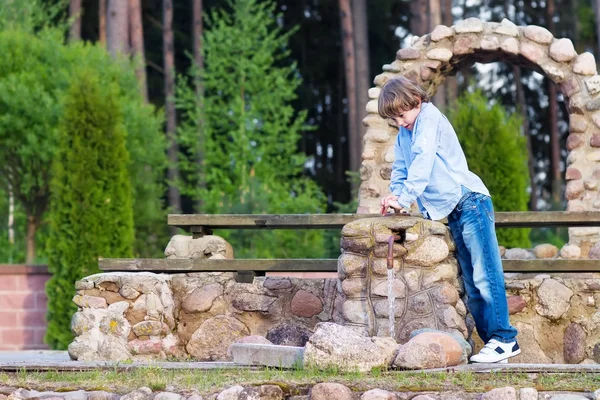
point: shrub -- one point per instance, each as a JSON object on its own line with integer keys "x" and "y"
{"x": 90, "y": 209}
{"x": 496, "y": 151}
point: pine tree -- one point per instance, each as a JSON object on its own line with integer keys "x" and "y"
{"x": 91, "y": 205}
{"x": 251, "y": 130}
{"x": 496, "y": 151}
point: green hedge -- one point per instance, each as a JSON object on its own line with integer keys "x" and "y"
{"x": 91, "y": 205}
{"x": 496, "y": 151}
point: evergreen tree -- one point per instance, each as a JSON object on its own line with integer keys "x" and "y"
{"x": 495, "y": 150}
{"x": 252, "y": 163}
{"x": 90, "y": 212}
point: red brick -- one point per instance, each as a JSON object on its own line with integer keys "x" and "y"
{"x": 35, "y": 282}
{"x": 9, "y": 319}
{"x": 17, "y": 337}
{"x": 15, "y": 301}
{"x": 8, "y": 283}
{"x": 38, "y": 341}
{"x": 41, "y": 301}
{"x": 35, "y": 318}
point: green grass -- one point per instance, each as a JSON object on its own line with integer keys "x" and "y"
{"x": 293, "y": 382}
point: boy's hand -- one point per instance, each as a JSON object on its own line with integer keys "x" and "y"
{"x": 391, "y": 201}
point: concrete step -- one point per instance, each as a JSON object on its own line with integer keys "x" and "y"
{"x": 269, "y": 355}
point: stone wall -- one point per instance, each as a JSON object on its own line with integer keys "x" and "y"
{"x": 156, "y": 316}
{"x": 23, "y": 307}
{"x": 425, "y": 277}
{"x": 430, "y": 58}
{"x": 197, "y": 315}
{"x": 556, "y": 315}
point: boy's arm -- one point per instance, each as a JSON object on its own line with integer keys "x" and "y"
{"x": 424, "y": 148}
{"x": 399, "y": 172}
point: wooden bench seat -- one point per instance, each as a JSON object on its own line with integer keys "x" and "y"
{"x": 199, "y": 224}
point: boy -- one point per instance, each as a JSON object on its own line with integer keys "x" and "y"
{"x": 430, "y": 167}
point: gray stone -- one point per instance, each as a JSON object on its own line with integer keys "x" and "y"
{"x": 441, "y": 32}
{"x": 469, "y": 25}
{"x": 272, "y": 283}
{"x": 562, "y": 50}
{"x": 568, "y": 396}
{"x": 253, "y": 302}
{"x": 287, "y": 334}
{"x": 212, "y": 339}
{"x": 330, "y": 391}
{"x": 167, "y": 396}
{"x": 439, "y": 54}
{"x": 142, "y": 393}
{"x": 518, "y": 254}
{"x": 595, "y": 252}
{"x": 268, "y": 355}
{"x": 506, "y": 27}
{"x": 538, "y": 34}
{"x": 585, "y": 64}
{"x": 231, "y": 393}
{"x": 467, "y": 350}
{"x": 86, "y": 301}
{"x": 201, "y": 299}
{"x": 263, "y": 392}
{"x": 553, "y": 299}
{"x": 528, "y": 394}
{"x": 574, "y": 344}
{"x": 102, "y": 395}
{"x": 378, "y": 394}
{"x": 340, "y": 347}
{"x": 505, "y": 393}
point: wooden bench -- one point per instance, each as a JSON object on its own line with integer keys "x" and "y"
{"x": 200, "y": 224}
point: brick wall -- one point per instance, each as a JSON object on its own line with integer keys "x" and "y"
{"x": 22, "y": 307}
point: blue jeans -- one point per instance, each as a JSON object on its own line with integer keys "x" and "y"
{"x": 472, "y": 226}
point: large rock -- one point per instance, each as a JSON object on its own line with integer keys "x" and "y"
{"x": 430, "y": 350}
{"x": 212, "y": 339}
{"x": 336, "y": 346}
{"x": 554, "y": 299}
{"x": 330, "y": 391}
{"x": 201, "y": 299}
{"x": 207, "y": 246}
{"x": 287, "y": 334}
{"x": 574, "y": 344}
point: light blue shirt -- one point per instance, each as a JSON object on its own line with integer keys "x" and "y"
{"x": 430, "y": 166}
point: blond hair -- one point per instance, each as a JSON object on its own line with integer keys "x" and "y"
{"x": 399, "y": 95}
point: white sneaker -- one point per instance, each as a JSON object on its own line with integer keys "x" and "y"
{"x": 495, "y": 351}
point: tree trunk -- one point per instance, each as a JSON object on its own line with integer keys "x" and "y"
{"x": 136, "y": 32}
{"x": 355, "y": 146}
{"x": 597, "y": 12}
{"x": 418, "y": 17}
{"x": 169, "y": 66}
{"x": 32, "y": 225}
{"x": 11, "y": 224}
{"x": 75, "y": 15}
{"x": 555, "y": 174}
{"x": 435, "y": 19}
{"x": 198, "y": 31}
{"x": 102, "y": 20}
{"x": 451, "y": 84}
{"x": 363, "y": 81}
{"x": 522, "y": 107}
{"x": 117, "y": 27}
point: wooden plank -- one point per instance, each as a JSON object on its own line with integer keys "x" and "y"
{"x": 550, "y": 265}
{"x": 188, "y": 265}
{"x": 266, "y": 221}
{"x": 311, "y": 265}
{"x": 196, "y": 222}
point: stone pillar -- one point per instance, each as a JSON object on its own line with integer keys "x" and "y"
{"x": 426, "y": 285}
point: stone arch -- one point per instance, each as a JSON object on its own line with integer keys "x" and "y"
{"x": 432, "y": 57}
